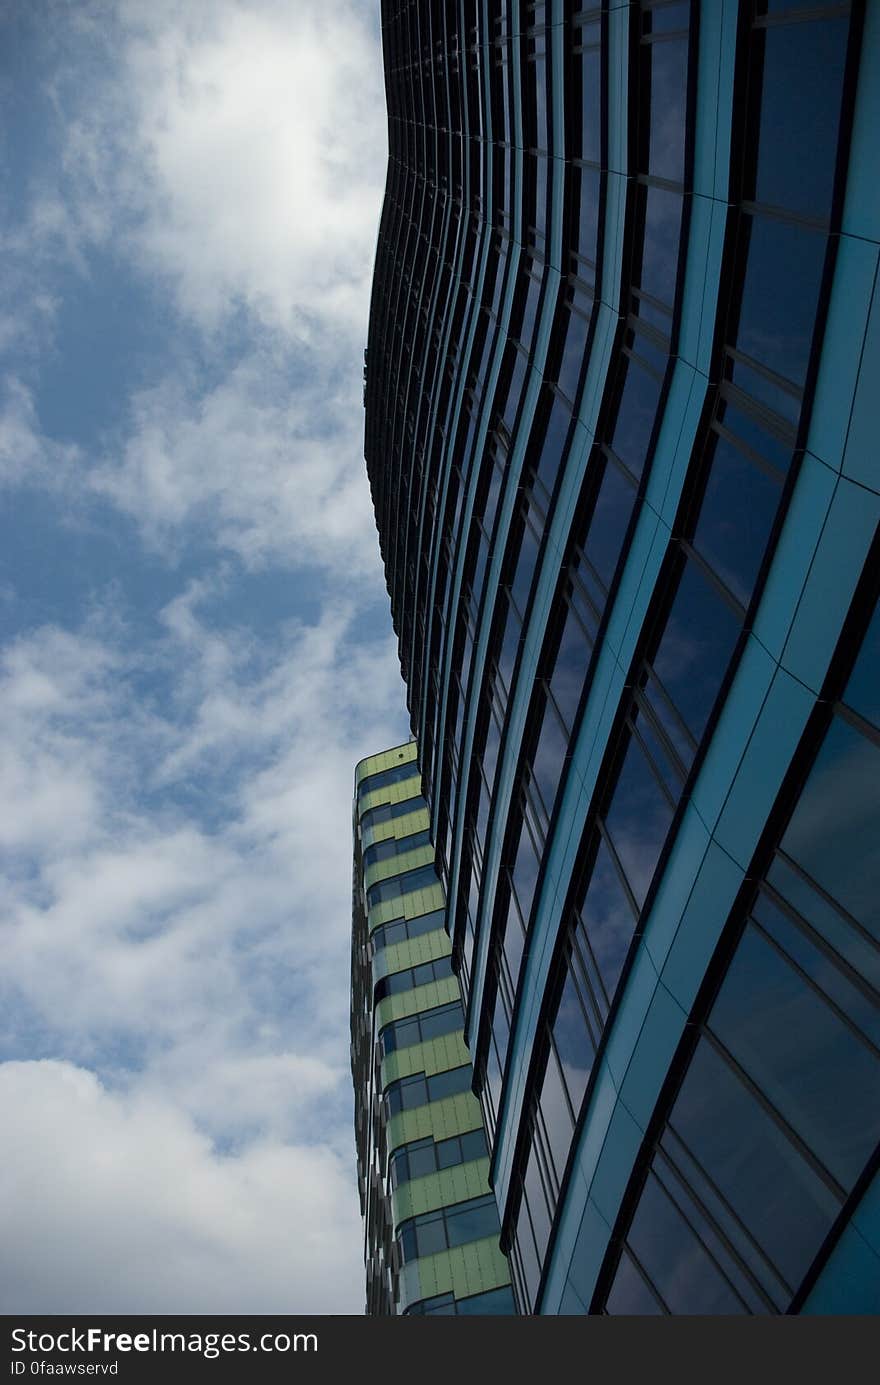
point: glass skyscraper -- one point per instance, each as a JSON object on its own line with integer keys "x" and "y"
{"x": 623, "y": 362}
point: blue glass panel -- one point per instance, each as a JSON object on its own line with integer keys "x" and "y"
{"x": 780, "y": 296}
{"x": 591, "y": 105}
{"x": 635, "y": 417}
{"x": 736, "y": 515}
{"x": 835, "y": 828}
{"x": 821, "y": 1078}
{"x": 668, "y": 68}
{"x": 608, "y": 525}
{"x": 800, "y": 113}
{"x": 574, "y": 1045}
{"x": 784, "y": 1205}
{"x": 629, "y": 1295}
{"x": 660, "y": 249}
{"x": 695, "y": 649}
{"x": 638, "y": 820}
{"x": 607, "y": 919}
{"x": 674, "y": 1259}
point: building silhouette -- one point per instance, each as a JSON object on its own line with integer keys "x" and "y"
{"x": 622, "y": 416}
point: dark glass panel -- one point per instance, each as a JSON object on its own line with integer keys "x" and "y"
{"x": 668, "y": 77}
{"x": 528, "y": 1255}
{"x": 835, "y": 828}
{"x": 524, "y": 876}
{"x": 555, "y": 1114}
{"x": 779, "y": 299}
{"x": 450, "y": 1083}
{"x": 862, "y": 954}
{"x": 574, "y": 1044}
{"x": 674, "y": 1259}
{"x": 822, "y": 1079}
{"x": 660, "y": 248}
{"x": 784, "y": 1205}
{"x": 635, "y": 417}
{"x": 494, "y": 1302}
{"x": 549, "y": 757}
{"x": 747, "y": 429}
{"x": 472, "y": 1221}
{"x": 573, "y": 354}
{"x": 587, "y": 237}
{"x": 637, "y": 821}
{"x": 609, "y": 521}
{"x": 430, "y": 1235}
{"x": 533, "y": 1193}
{"x": 591, "y": 104}
{"x": 629, "y": 1295}
{"x": 695, "y": 648}
{"x": 736, "y": 514}
{"x": 421, "y": 1159}
{"x": 570, "y": 667}
{"x": 473, "y": 1145}
{"x": 606, "y": 918}
{"x": 800, "y": 113}
{"x": 553, "y": 448}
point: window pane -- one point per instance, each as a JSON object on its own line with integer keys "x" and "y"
{"x": 667, "y": 64}
{"x": 800, "y": 113}
{"x": 674, "y": 1259}
{"x": 635, "y": 417}
{"x": 472, "y": 1221}
{"x": 821, "y": 1078}
{"x": 660, "y": 248}
{"x": 836, "y": 825}
{"x": 736, "y": 514}
{"x": 784, "y": 1205}
{"x": 780, "y": 295}
{"x": 608, "y": 525}
{"x": 695, "y": 649}
{"x": 637, "y": 821}
{"x": 629, "y": 1295}
{"x": 606, "y": 918}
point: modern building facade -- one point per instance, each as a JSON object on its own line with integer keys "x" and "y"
{"x": 622, "y": 420}
{"x": 430, "y": 1218}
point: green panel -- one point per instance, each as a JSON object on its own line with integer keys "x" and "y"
{"x": 423, "y": 901}
{"x": 439, "y": 1119}
{"x": 385, "y": 759}
{"x": 413, "y": 904}
{"x": 394, "y": 865}
{"x": 415, "y": 821}
{"x": 434, "y": 1055}
{"x": 467, "y": 1270}
{"x": 393, "y": 793}
{"x": 441, "y": 1189}
{"x": 395, "y": 1007}
{"x": 426, "y": 948}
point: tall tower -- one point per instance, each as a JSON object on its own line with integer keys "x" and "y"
{"x": 430, "y": 1218}
{"x": 621, "y": 422}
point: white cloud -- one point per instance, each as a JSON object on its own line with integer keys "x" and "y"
{"x": 271, "y": 469}
{"x": 175, "y": 840}
{"x": 114, "y": 1204}
{"x": 244, "y": 149}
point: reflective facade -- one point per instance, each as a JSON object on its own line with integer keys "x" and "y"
{"x": 431, "y": 1221}
{"x": 621, "y": 422}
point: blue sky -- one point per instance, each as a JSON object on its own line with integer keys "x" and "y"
{"x": 195, "y": 647}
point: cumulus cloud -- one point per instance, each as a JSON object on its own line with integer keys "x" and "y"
{"x": 111, "y": 1202}
{"x": 243, "y": 150}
